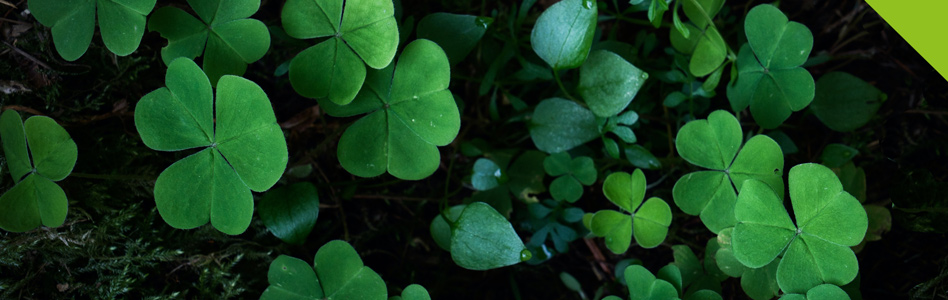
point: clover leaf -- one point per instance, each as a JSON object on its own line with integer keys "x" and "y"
{"x": 645, "y": 286}
{"x": 844, "y": 102}
{"x": 482, "y": 239}
{"x": 224, "y": 32}
{"x": 456, "y": 34}
{"x": 564, "y": 33}
{"x": 770, "y": 77}
{"x": 715, "y": 144}
{"x": 608, "y": 83}
{"x": 695, "y": 275}
{"x": 648, "y": 221}
{"x": 487, "y": 175}
{"x": 413, "y": 292}
{"x": 820, "y": 292}
{"x": 290, "y": 212}
{"x": 410, "y": 113}
{"x": 559, "y": 125}
{"x": 339, "y": 274}
{"x": 759, "y": 283}
{"x": 243, "y": 147}
{"x": 704, "y": 43}
{"x": 816, "y": 249}
{"x": 121, "y": 22}
{"x": 552, "y": 220}
{"x": 38, "y": 153}
{"x": 360, "y": 33}
{"x": 573, "y": 174}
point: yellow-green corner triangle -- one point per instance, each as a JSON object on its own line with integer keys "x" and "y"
{"x": 922, "y": 24}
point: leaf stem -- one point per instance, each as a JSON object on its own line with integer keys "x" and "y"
{"x": 556, "y": 76}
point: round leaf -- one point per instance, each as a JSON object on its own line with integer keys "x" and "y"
{"x": 608, "y": 83}
{"x": 456, "y": 34}
{"x": 54, "y": 153}
{"x": 484, "y": 239}
{"x": 33, "y": 201}
{"x": 486, "y": 174}
{"x": 440, "y": 229}
{"x": 844, "y": 102}
{"x": 564, "y": 32}
{"x": 566, "y": 188}
{"x": 343, "y": 276}
{"x": 290, "y": 212}
{"x": 415, "y": 292}
{"x": 559, "y": 125}
{"x": 179, "y": 116}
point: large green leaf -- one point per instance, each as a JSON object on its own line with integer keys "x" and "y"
{"x": 121, "y": 23}
{"x": 410, "y": 114}
{"x": 770, "y": 77}
{"x": 608, "y": 83}
{"x": 360, "y": 33}
{"x": 816, "y": 249}
{"x": 844, "y": 102}
{"x": 483, "y": 239}
{"x": 290, "y": 212}
{"x": 715, "y": 143}
{"x": 339, "y": 274}
{"x": 564, "y": 32}
{"x": 224, "y": 33}
{"x": 559, "y": 125}
{"x": 35, "y": 199}
{"x": 245, "y": 149}
{"x": 456, "y": 34}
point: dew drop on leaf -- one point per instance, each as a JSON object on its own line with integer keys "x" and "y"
{"x": 483, "y": 21}
{"x": 525, "y": 255}
{"x": 588, "y": 3}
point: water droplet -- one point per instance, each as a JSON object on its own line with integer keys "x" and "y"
{"x": 497, "y": 173}
{"x": 588, "y": 3}
{"x": 525, "y": 255}
{"x": 413, "y": 120}
{"x": 483, "y": 22}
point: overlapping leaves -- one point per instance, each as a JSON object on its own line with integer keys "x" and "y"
{"x": 715, "y": 144}
{"x": 223, "y": 32}
{"x": 361, "y": 33}
{"x": 770, "y": 77}
{"x": 337, "y": 273}
{"x": 704, "y": 43}
{"x": 38, "y": 154}
{"x": 815, "y": 249}
{"x": 121, "y": 23}
{"x": 410, "y": 113}
{"x": 243, "y": 147}
{"x": 478, "y": 237}
{"x": 647, "y": 221}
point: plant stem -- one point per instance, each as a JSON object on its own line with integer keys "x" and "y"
{"x": 556, "y": 75}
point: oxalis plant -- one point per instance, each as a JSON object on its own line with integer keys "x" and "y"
{"x": 121, "y": 23}
{"x": 242, "y": 148}
{"x": 38, "y": 153}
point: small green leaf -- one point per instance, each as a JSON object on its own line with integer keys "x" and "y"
{"x": 122, "y": 23}
{"x": 414, "y": 292}
{"x": 844, "y": 102}
{"x": 650, "y": 225}
{"x": 566, "y": 188}
{"x": 484, "y": 239}
{"x": 648, "y": 222}
{"x": 441, "y": 230}
{"x": 456, "y": 34}
{"x": 836, "y": 155}
{"x": 339, "y": 274}
{"x": 570, "y": 282}
{"x": 363, "y": 33}
{"x": 291, "y": 278}
{"x": 564, "y": 32}
{"x": 641, "y": 157}
{"x": 290, "y": 212}
{"x": 557, "y": 164}
{"x": 486, "y": 174}
{"x": 609, "y": 83}
{"x": 559, "y": 125}
{"x": 615, "y": 227}
{"x": 625, "y": 190}
{"x": 410, "y": 114}
{"x": 15, "y": 151}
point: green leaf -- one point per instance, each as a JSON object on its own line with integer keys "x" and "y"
{"x": 246, "y": 151}
{"x": 409, "y": 116}
{"x": 557, "y": 164}
{"x": 700, "y": 11}
{"x": 649, "y": 220}
{"x": 290, "y": 212}
{"x": 608, "y": 83}
{"x": 486, "y": 174}
{"x": 584, "y": 170}
{"x": 559, "y": 125}
{"x": 770, "y": 77}
{"x": 566, "y": 188}
{"x": 339, "y": 274}
{"x": 828, "y": 222}
{"x": 564, "y": 32}
{"x": 625, "y": 190}
{"x": 644, "y": 286}
{"x": 363, "y": 33}
{"x": 641, "y": 157}
{"x": 570, "y": 282}
{"x": 714, "y": 144}
{"x": 414, "y": 292}
{"x": 615, "y": 227}
{"x": 836, "y": 155}
{"x": 704, "y": 295}
{"x": 844, "y": 102}
{"x": 484, "y": 239}
{"x": 53, "y": 152}
{"x": 456, "y": 34}
{"x": 33, "y": 201}
{"x": 15, "y": 152}
{"x": 227, "y": 37}
{"x": 121, "y": 23}
{"x": 573, "y": 175}
{"x": 671, "y": 274}
{"x": 526, "y": 175}
{"x": 440, "y": 229}
{"x": 657, "y": 9}
{"x": 761, "y": 283}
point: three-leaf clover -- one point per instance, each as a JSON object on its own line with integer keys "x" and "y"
{"x": 815, "y": 249}
{"x": 243, "y": 147}
{"x": 573, "y": 174}
{"x": 337, "y": 273}
{"x": 608, "y": 83}
{"x": 647, "y": 220}
{"x": 564, "y": 33}
{"x": 715, "y": 144}
{"x": 121, "y": 22}
{"x": 224, "y": 33}
{"x": 770, "y": 77}
{"x": 38, "y": 154}
{"x": 360, "y": 33}
{"x": 410, "y": 113}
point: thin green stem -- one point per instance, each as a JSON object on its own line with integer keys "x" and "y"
{"x": 556, "y": 76}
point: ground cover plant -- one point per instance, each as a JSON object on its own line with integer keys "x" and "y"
{"x": 571, "y": 149}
